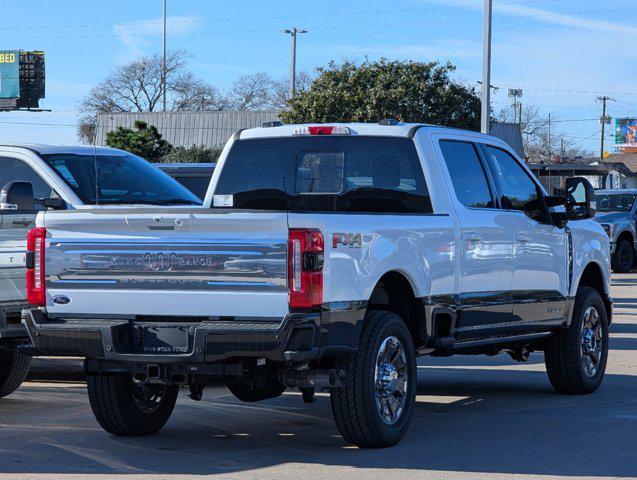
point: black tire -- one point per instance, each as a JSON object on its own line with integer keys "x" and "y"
{"x": 624, "y": 258}
{"x": 564, "y": 353}
{"x": 116, "y": 404}
{"x": 14, "y": 368}
{"x": 355, "y": 406}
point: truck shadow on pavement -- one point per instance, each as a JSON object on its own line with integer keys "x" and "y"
{"x": 476, "y": 419}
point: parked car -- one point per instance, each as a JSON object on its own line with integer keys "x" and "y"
{"x": 194, "y": 176}
{"x": 617, "y": 212}
{"x": 326, "y": 257}
{"x": 38, "y": 178}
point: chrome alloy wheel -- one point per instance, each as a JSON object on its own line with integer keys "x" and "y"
{"x": 592, "y": 337}
{"x": 391, "y": 380}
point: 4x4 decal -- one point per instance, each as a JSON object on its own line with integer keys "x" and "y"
{"x": 351, "y": 240}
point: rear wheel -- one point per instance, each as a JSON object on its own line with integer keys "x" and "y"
{"x": 125, "y": 407}
{"x": 576, "y": 357}
{"x": 375, "y": 407}
{"x": 14, "y": 368}
{"x": 624, "y": 257}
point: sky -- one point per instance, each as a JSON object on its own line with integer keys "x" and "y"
{"x": 562, "y": 53}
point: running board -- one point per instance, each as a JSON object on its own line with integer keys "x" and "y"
{"x": 459, "y": 347}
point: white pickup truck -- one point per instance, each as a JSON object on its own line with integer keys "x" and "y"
{"x": 325, "y": 257}
{"x": 36, "y": 178}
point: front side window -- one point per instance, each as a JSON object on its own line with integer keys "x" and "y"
{"x": 339, "y": 173}
{"x": 467, "y": 174}
{"x": 515, "y": 188}
{"x": 615, "y": 202}
{"x": 14, "y": 170}
{"x": 118, "y": 179}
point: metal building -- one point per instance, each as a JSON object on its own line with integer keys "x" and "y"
{"x": 511, "y": 134}
{"x": 185, "y": 129}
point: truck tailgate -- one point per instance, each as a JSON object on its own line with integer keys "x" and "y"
{"x": 166, "y": 262}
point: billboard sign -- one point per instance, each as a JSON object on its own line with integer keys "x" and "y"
{"x": 626, "y": 132}
{"x": 9, "y": 73}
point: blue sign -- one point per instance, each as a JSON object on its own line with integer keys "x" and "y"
{"x": 9, "y": 73}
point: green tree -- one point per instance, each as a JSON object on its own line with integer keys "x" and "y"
{"x": 144, "y": 141}
{"x": 371, "y": 91}
{"x": 194, "y": 154}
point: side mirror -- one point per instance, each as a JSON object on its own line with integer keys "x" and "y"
{"x": 580, "y": 199}
{"x": 17, "y": 196}
{"x": 53, "y": 203}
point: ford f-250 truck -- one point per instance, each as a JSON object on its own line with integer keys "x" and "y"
{"x": 35, "y": 178}
{"x": 326, "y": 257}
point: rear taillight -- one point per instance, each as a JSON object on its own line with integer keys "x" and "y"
{"x": 305, "y": 268}
{"x": 36, "y": 287}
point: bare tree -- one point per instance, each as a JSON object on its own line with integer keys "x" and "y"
{"x": 281, "y": 88}
{"x": 251, "y": 92}
{"x": 137, "y": 86}
{"x": 543, "y": 142}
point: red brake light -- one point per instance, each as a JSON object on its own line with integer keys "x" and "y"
{"x": 321, "y": 130}
{"x": 36, "y": 286}
{"x": 305, "y": 268}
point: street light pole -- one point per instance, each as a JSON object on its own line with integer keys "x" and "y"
{"x": 163, "y": 66}
{"x": 486, "y": 68}
{"x": 293, "y": 33}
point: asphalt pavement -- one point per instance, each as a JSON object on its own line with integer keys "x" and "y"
{"x": 476, "y": 417}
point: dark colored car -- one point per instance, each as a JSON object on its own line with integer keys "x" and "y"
{"x": 194, "y": 176}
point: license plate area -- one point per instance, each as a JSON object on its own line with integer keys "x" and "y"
{"x": 164, "y": 340}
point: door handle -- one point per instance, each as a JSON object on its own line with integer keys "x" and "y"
{"x": 473, "y": 237}
{"x": 522, "y": 238}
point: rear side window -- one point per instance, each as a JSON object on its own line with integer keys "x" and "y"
{"x": 348, "y": 174}
{"x": 467, "y": 174}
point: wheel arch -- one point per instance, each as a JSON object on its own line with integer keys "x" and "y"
{"x": 626, "y": 235}
{"x": 593, "y": 276}
{"x": 395, "y": 291}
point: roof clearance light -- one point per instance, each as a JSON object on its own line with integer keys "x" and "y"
{"x": 323, "y": 130}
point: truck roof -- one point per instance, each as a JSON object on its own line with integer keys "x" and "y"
{"x": 397, "y": 129}
{"x": 42, "y": 149}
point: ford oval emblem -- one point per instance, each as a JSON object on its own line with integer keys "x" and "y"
{"x": 61, "y": 300}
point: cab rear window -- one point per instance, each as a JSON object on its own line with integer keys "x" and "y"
{"x": 327, "y": 173}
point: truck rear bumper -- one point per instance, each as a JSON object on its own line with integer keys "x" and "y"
{"x": 299, "y": 337}
{"x": 10, "y": 327}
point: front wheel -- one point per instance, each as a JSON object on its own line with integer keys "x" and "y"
{"x": 376, "y": 405}
{"x": 576, "y": 357}
{"x": 624, "y": 257}
{"x": 127, "y": 408}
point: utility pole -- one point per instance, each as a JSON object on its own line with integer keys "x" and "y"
{"x": 293, "y": 33}
{"x": 163, "y": 67}
{"x": 549, "y": 145}
{"x": 486, "y": 68}
{"x": 604, "y": 120}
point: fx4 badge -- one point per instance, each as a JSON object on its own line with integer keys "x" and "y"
{"x": 351, "y": 240}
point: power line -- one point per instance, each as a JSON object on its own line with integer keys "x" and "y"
{"x": 142, "y": 23}
{"x": 568, "y": 90}
{"x": 333, "y": 27}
